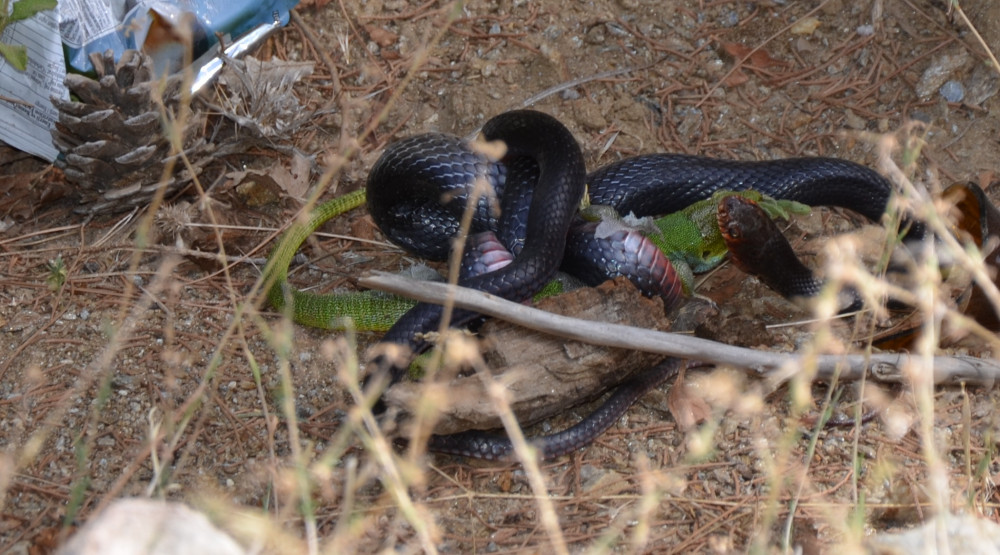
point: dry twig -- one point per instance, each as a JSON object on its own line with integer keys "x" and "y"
{"x": 888, "y": 367}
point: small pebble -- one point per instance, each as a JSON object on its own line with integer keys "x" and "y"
{"x": 865, "y": 30}
{"x": 953, "y": 91}
{"x": 570, "y": 94}
{"x": 983, "y": 85}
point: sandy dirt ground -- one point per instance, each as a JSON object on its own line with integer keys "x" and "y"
{"x": 143, "y": 375}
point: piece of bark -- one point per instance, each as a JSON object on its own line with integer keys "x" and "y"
{"x": 544, "y": 374}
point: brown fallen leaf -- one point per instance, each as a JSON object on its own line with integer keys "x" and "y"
{"x": 974, "y": 219}
{"x": 382, "y": 37}
{"x": 49, "y": 539}
{"x": 978, "y": 220}
{"x": 759, "y": 59}
{"x": 255, "y": 188}
{"x": 16, "y": 198}
{"x": 293, "y": 180}
{"x": 687, "y": 407}
{"x": 736, "y": 78}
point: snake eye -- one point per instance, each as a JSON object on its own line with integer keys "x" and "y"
{"x": 733, "y": 231}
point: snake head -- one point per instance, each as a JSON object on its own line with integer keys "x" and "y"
{"x": 741, "y": 220}
{"x": 726, "y": 220}
{"x": 748, "y": 233}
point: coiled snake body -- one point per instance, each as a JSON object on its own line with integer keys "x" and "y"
{"x": 418, "y": 189}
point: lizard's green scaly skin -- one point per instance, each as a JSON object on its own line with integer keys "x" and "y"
{"x": 690, "y": 238}
{"x": 365, "y": 310}
{"x": 692, "y": 235}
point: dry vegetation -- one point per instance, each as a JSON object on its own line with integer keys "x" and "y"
{"x": 134, "y": 363}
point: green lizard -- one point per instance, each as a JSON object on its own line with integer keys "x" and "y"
{"x": 692, "y": 235}
{"x": 690, "y": 238}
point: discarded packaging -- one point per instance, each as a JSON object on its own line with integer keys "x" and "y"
{"x": 65, "y": 37}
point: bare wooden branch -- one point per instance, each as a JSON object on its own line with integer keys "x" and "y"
{"x": 886, "y": 367}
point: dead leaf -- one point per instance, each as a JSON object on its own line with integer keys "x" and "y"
{"x": 978, "y": 220}
{"x": 759, "y": 59}
{"x": 974, "y": 219}
{"x": 48, "y": 539}
{"x": 260, "y": 96}
{"x": 23, "y": 192}
{"x": 15, "y": 190}
{"x": 687, "y": 407}
{"x": 382, "y": 37}
{"x": 256, "y": 188}
{"x": 805, "y": 26}
{"x": 10, "y": 155}
{"x": 736, "y": 78}
{"x": 294, "y": 181}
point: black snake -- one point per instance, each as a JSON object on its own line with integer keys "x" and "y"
{"x": 418, "y": 190}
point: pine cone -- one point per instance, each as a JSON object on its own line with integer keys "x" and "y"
{"x": 112, "y": 139}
